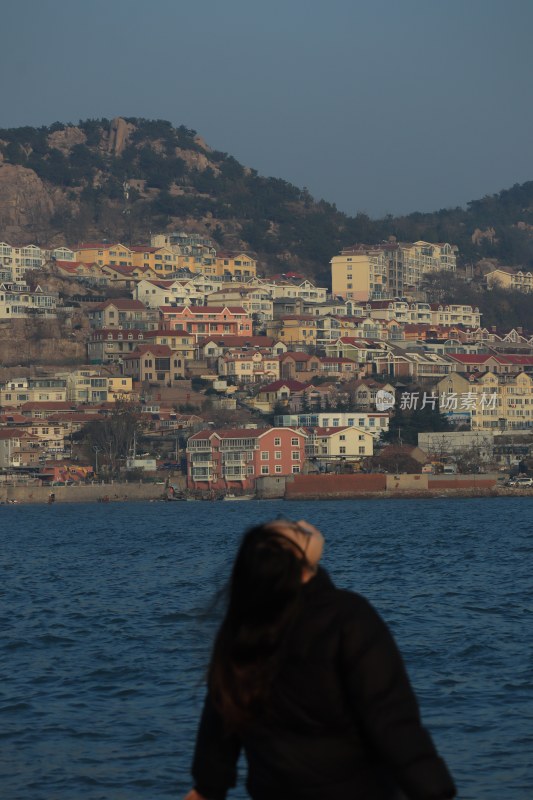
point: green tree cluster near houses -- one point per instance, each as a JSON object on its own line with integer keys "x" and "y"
{"x": 278, "y": 221}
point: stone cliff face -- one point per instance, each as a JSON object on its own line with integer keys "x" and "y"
{"x": 118, "y": 136}
{"x": 24, "y": 202}
{"x": 66, "y": 139}
{"x": 27, "y": 342}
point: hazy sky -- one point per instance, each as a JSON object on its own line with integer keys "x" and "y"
{"x": 381, "y": 106}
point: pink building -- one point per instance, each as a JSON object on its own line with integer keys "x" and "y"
{"x": 202, "y": 321}
{"x": 234, "y": 458}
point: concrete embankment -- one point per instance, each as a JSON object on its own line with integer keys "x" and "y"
{"x": 339, "y": 487}
{"x": 98, "y": 492}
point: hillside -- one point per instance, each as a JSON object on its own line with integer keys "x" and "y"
{"x": 65, "y": 183}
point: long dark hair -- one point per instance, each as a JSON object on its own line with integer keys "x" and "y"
{"x": 263, "y": 602}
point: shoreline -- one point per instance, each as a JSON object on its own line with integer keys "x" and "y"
{"x": 131, "y": 493}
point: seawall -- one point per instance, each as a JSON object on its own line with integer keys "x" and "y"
{"x": 92, "y": 493}
{"x": 338, "y": 487}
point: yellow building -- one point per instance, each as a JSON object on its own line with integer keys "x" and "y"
{"x": 516, "y": 281}
{"x": 114, "y": 255}
{"x": 358, "y": 274}
{"x": 162, "y": 260}
{"x": 295, "y": 329}
{"x": 493, "y": 401}
{"x": 238, "y": 265}
{"x": 119, "y": 388}
{"x": 380, "y": 272}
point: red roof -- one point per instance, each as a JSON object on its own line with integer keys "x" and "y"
{"x": 292, "y": 386}
{"x": 200, "y": 310}
{"x": 238, "y": 341}
{"x": 297, "y": 356}
{"x": 161, "y": 350}
{"x": 332, "y": 360}
{"x": 164, "y": 332}
{"x": 13, "y": 433}
{"x": 331, "y": 431}
{"x": 49, "y": 405}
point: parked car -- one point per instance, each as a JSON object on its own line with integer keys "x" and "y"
{"x": 520, "y": 482}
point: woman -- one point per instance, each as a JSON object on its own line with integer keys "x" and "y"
{"x": 308, "y": 681}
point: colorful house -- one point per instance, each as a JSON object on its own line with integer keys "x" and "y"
{"x": 234, "y": 458}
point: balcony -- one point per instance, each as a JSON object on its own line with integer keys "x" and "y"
{"x": 235, "y": 473}
{"x": 234, "y": 458}
{"x": 198, "y": 459}
{"x": 201, "y": 474}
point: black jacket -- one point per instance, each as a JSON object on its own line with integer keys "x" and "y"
{"x": 344, "y": 722}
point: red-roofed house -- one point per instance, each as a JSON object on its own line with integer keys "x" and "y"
{"x": 204, "y": 321}
{"x": 154, "y": 363}
{"x": 122, "y": 312}
{"x": 277, "y": 392}
{"x": 234, "y": 458}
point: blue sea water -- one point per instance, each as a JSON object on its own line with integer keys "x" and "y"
{"x": 105, "y": 634}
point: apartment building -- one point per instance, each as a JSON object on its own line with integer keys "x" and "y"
{"x": 255, "y": 301}
{"x": 370, "y": 272}
{"x": 249, "y": 366}
{"x": 108, "y": 345}
{"x": 491, "y": 400}
{"x": 455, "y": 314}
{"x": 155, "y": 364}
{"x": 509, "y": 279}
{"x": 114, "y": 255}
{"x": 163, "y": 293}
{"x": 234, "y": 458}
{"x": 338, "y": 444}
{"x": 194, "y": 251}
{"x": 17, "y": 301}
{"x": 373, "y": 422}
{"x": 123, "y": 313}
{"x": 18, "y": 391}
{"x": 202, "y": 321}
{"x": 294, "y": 329}
{"x": 18, "y": 259}
{"x": 284, "y": 287}
{"x": 236, "y": 265}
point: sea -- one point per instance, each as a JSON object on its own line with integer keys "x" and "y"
{"x": 107, "y": 616}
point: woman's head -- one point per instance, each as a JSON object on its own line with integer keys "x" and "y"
{"x": 272, "y": 563}
{"x": 274, "y": 559}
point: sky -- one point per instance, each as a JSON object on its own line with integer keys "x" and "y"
{"x": 378, "y": 106}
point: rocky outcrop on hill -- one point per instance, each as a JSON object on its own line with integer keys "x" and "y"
{"x": 66, "y": 139}
{"x": 27, "y": 342}
{"x": 118, "y": 136}
{"x": 25, "y": 202}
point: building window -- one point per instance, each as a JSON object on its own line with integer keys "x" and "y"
{"x": 264, "y": 470}
{"x": 295, "y": 456}
{"x": 278, "y": 468}
{"x": 295, "y": 470}
{"x": 277, "y": 442}
{"x": 361, "y": 451}
{"x": 264, "y": 455}
{"x": 295, "y": 442}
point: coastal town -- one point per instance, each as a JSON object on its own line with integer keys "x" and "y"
{"x": 178, "y": 364}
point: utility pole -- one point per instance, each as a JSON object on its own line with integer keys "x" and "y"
{"x": 96, "y": 451}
